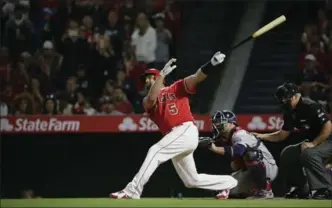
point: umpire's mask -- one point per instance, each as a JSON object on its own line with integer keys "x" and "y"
{"x": 220, "y": 120}
{"x": 284, "y": 94}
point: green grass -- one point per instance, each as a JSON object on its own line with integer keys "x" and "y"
{"x": 161, "y": 202}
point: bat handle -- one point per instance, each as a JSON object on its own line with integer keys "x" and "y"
{"x": 227, "y": 53}
{"x": 204, "y": 65}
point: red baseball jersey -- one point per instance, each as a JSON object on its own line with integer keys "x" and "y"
{"x": 172, "y": 107}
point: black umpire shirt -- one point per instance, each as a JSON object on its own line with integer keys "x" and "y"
{"x": 308, "y": 117}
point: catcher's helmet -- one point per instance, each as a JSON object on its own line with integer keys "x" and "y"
{"x": 286, "y": 91}
{"x": 220, "y": 119}
{"x": 151, "y": 71}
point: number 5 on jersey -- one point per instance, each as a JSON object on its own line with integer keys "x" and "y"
{"x": 173, "y": 110}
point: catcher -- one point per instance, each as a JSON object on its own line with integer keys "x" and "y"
{"x": 254, "y": 166}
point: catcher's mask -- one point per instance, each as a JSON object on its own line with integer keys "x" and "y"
{"x": 284, "y": 94}
{"x": 219, "y": 121}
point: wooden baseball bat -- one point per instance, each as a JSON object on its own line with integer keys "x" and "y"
{"x": 258, "y": 33}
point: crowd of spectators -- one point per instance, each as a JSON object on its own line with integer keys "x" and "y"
{"x": 82, "y": 56}
{"x": 315, "y": 62}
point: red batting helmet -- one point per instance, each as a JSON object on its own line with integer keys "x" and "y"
{"x": 151, "y": 71}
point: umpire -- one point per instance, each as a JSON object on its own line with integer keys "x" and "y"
{"x": 302, "y": 164}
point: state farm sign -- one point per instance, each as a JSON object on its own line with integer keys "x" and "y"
{"x": 144, "y": 124}
{"x": 39, "y": 125}
{"x": 264, "y": 123}
{"x": 130, "y": 123}
{"x": 87, "y": 124}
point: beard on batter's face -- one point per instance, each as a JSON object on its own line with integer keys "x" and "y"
{"x": 149, "y": 82}
{"x": 147, "y": 87}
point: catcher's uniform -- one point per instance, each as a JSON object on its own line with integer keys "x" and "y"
{"x": 242, "y": 138}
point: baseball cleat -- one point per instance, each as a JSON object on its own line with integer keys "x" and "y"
{"x": 224, "y": 194}
{"x": 262, "y": 194}
{"x": 297, "y": 193}
{"x": 119, "y": 195}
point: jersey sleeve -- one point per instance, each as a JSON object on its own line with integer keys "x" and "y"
{"x": 238, "y": 138}
{"x": 181, "y": 89}
{"x": 288, "y": 123}
{"x": 318, "y": 114}
{"x": 238, "y": 144}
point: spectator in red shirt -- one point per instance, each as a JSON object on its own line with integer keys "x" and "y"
{"x": 109, "y": 109}
{"x": 121, "y": 102}
{"x": 83, "y": 106}
{"x": 134, "y": 70}
{"x": 319, "y": 56}
{"x": 87, "y": 28}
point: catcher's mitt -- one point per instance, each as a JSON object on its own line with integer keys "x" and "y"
{"x": 205, "y": 142}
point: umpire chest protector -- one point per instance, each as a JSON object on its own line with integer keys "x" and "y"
{"x": 308, "y": 118}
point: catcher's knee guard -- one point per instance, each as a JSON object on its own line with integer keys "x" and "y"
{"x": 253, "y": 159}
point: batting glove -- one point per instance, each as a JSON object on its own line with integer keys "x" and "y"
{"x": 168, "y": 68}
{"x": 218, "y": 58}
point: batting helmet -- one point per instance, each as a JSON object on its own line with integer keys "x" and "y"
{"x": 148, "y": 72}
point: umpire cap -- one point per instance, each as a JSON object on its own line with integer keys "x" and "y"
{"x": 286, "y": 91}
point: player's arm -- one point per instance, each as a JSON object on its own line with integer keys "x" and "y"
{"x": 235, "y": 150}
{"x": 321, "y": 117}
{"x": 275, "y": 136}
{"x": 202, "y": 73}
{"x": 152, "y": 96}
{"x": 280, "y": 135}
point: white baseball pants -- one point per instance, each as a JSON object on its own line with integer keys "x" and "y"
{"x": 179, "y": 146}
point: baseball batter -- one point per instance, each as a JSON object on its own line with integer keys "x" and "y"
{"x": 259, "y": 167}
{"x": 168, "y": 107}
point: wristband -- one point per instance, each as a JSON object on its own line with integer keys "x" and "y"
{"x": 206, "y": 68}
{"x": 229, "y": 150}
